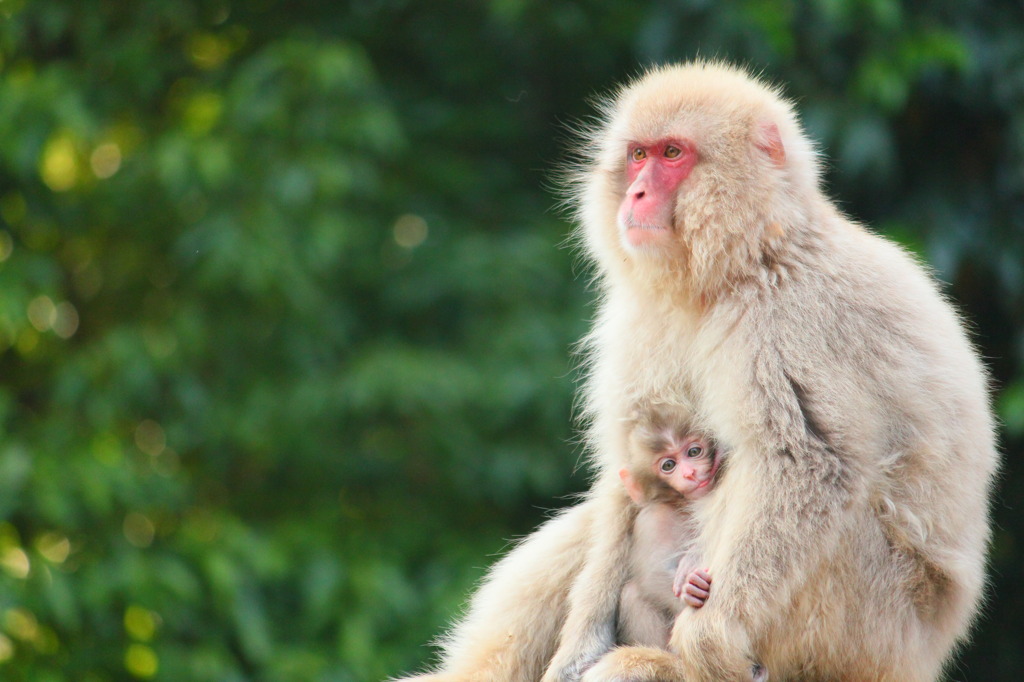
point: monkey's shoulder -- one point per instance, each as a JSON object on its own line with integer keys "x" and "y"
{"x": 852, "y": 286}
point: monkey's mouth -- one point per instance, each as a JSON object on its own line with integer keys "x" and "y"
{"x": 639, "y": 235}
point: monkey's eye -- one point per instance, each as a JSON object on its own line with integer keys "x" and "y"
{"x": 667, "y": 465}
{"x": 638, "y": 154}
{"x": 672, "y": 152}
{"x": 695, "y": 451}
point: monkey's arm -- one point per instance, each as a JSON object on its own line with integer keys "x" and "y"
{"x": 777, "y": 515}
{"x": 590, "y": 625}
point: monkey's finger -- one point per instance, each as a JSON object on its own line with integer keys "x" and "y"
{"x": 703, "y": 573}
{"x": 698, "y": 581}
{"x": 693, "y": 601}
{"x": 694, "y": 591}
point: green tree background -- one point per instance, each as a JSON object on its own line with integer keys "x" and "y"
{"x": 286, "y": 312}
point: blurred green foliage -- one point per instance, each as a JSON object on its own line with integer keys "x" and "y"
{"x": 286, "y": 315}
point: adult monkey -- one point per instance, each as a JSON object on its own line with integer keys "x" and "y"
{"x": 848, "y": 531}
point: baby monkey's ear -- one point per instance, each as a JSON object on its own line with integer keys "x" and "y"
{"x": 636, "y": 492}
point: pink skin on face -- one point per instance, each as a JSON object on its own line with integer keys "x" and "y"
{"x": 689, "y": 468}
{"x": 654, "y": 172}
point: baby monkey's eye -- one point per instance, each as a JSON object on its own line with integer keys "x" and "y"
{"x": 672, "y": 152}
{"x": 667, "y": 465}
{"x": 694, "y": 451}
{"x": 638, "y": 154}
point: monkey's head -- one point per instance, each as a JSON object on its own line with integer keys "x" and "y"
{"x": 667, "y": 460}
{"x": 699, "y": 176}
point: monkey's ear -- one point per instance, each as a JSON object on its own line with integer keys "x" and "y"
{"x": 768, "y": 140}
{"x": 636, "y": 493}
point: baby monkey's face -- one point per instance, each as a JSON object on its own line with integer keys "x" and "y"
{"x": 687, "y": 464}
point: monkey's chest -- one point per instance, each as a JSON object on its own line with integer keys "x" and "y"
{"x": 673, "y": 363}
{"x": 661, "y": 538}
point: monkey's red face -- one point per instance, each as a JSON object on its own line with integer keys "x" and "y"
{"x": 654, "y": 172}
{"x": 690, "y": 468}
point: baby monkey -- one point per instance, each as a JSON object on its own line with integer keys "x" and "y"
{"x": 669, "y": 467}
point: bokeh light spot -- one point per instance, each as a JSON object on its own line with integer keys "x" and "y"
{"x": 42, "y": 313}
{"x": 140, "y": 623}
{"x": 59, "y": 163}
{"x": 208, "y": 51}
{"x": 139, "y": 530}
{"x": 141, "y": 661}
{"x": 105, "y": 160}
{"x": 21, "y": 624}
{"x": 202, "y": 112}
{"x": 6, "y": 648}
{"x": 410, "y": 231}
{"x": 54, "y": 547}
{"x": 150, "y": 437}
{"x": 66, "y": 323}
{"x": 15, "y": 562}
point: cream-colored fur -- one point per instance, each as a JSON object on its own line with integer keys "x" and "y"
{"x": 848, "y": 534}
{"x": 624, "y": 592}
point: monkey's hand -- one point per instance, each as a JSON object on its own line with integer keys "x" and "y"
{"x": 687, "y": 564}
{"x": 692, "y": 587}
{"x": 712, "y": 646}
